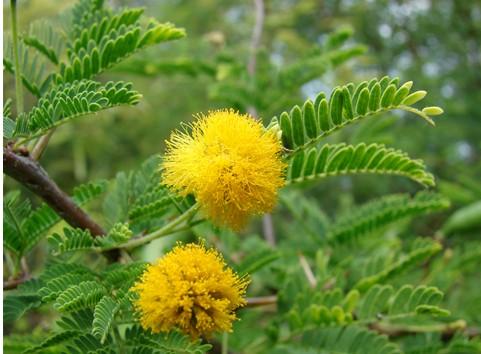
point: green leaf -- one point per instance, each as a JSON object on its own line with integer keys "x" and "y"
{"x": 309, "y": 115}
{"x": 388, "y": 96}
{"x": 381, "y": 300}
{"x": 361, "y": 159}
{"x": 376, "y": 215}
{"x": 286, "y": 127}
{"x": 72, "y": 240}
{"x": 400, "y": 266}
{"x": 375, "y": 97}
{"x": 102, "y": 42}
{"x": 297, "y": 125}
{"x": 16, "y": 212}
{"x": 104, "y": 315}
{"x": 85, "y": 294}
{"x": 118, "y": 234}
{"x": 34, "y": 74}
{"x": 414, "y": 98}
{"x": 14, "y": 306}
{"x": 323, "y": 115}
{"x": 46, "y": 39}
{"x": 65, "y": 102}
{"x": 335, "y": 106}
{"x": 54, "y": 340}
{"x": 56, "y": 286}
{"x": 348, "y": 104}
{"x": 347, "y": 340}
{"x": 172, "y": 342}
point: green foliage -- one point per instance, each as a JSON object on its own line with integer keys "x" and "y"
{"x": 104, "y": 315}
{"x": 107, "y": 42}
{"x": 409, "y": 260}
{"x": 381, "y": 301}
{"x": 34, "y": 74}
{"x": 174, "y": 342}
{"x": 71, "y": 100}
{"x": 56, "y": 286}
{"x": 303, "y": 127}
{"x": 24, "y": 227}
{"x": 43, "y": 37}
{"x": 16, "y": 211}
{"x": 71, "y": 240}
{"x": 79, "y": 296}
{"x": 54, "y": 340}
{"x": 342, "y": 159}
{"x": 8, "y": 123}
{"x": 381, "y": 212}
{"x": 350, "y": 339}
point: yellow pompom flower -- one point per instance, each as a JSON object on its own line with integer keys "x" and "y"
{"x": 230, "y": 163}
{"x": 190, "y": 289}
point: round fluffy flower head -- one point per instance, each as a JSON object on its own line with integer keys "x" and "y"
{"x": 191, "y": 289}
{"x": 230, "y": 163}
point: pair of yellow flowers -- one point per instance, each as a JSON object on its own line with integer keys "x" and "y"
{"x": 233, "y": 167}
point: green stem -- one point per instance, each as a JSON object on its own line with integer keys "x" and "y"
{"x": 225, "y": 343}
{"x": 168, "y": 229}
{"x": 18, "y": 74}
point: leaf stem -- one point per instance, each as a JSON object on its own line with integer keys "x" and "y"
{"x": 18, "y": 77}
{"x": 166, "y": 230}
{"x": 41, "y": 145}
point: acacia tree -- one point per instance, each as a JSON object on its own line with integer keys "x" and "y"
{"x": 321, "y": 287}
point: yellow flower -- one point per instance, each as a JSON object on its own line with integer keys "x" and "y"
{"x": 191, "y": 289}
{"x": 230, "y": 163}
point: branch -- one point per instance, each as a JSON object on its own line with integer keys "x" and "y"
{"x": 29, "y": 173}
{"x": 13, "y": 283}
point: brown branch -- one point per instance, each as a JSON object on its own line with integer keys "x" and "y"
{"x": 29, "y": 173}
{"x": 13, "y": 283}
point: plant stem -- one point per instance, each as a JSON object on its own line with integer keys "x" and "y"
{"x": 18, "y": 77}
{"x": 225, "y": 343}
{"x": 41, "y": 145}
{"x": 168, "y": 229}
{"x": 261, "y": 301}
